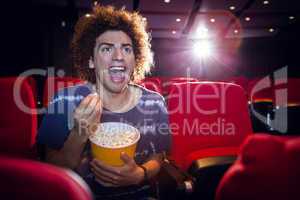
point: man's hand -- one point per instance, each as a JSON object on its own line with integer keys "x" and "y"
{"x": 129, "y": 174}
{"x": 87, "y": 116}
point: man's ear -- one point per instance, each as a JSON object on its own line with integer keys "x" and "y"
{"x": 91, "y": 63}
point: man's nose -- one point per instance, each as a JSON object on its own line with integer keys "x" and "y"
{"x": 118, "y": 54}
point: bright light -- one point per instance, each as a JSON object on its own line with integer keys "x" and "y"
{"x": 212, "y": 20}
{"x": 178, "y": 20}
{"x": 291, "y": 17}
{"x": 236, "y": 31}
{"x": 232, "y": 8}
{"x": 203, "y": 49}
{"x": 266, "y": 2}
{"x": 247, "y": 19}
{"x": 144, "y": 19}
{"x": 202, "y": 32}
{"x": 87, "y": 15}
{"x": 173, "y": 32}
{"x": 271, "y": 30}
{"x": 167, "y": 1}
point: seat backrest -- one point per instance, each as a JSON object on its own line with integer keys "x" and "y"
{"x": 206, "y": 115}
{"x": 268, "y": 168}
{"x": 152, "y": 83}
{"x": 239, "y": 80}
{"x": 260, "y": 90}
{"x": 53, "y": 84}
{"x": 293, "y": 91}
{"x": 33, "y": 84}
{"x": 169, "y": 81}
{"x": 18, "y": 121}
{"x": 290, "y": 89}
{"x": 27, "y": 179}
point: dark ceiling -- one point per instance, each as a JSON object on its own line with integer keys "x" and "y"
{"x": 225, "y": 18}
{"x": 253, "y": 36}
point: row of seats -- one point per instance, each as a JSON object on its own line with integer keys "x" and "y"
{"x": 209, "y": 122}
{"x": 267, "y": 99}
{"x": 257, "y": 89}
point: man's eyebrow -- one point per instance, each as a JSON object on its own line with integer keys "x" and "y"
{"x": 127, "y": 44}
{"x": 105, "y": 43}
{"x": 111, "y": 44}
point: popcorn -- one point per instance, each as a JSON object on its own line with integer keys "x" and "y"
{"x": 114, "y": 135}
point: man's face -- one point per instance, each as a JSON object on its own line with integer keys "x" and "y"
{"x": 114, "y": 60}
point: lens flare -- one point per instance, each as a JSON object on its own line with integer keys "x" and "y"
{"x": 203, "y": 49}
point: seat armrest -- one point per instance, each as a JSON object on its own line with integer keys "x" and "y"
{"x": 174, "y": 183}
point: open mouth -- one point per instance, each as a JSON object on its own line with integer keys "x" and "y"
{"x": 117, "y": 73}
{"x": 116, "y": 69}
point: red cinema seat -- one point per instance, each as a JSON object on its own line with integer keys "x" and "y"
{"x": 260, "y": 90}
{"x": 168, "y": 82}
{"x": 268, "y": 168}
{"x": 261, "y": 96}
{"x": 239, "y": 80}
{"x": 287, "y": 92}
{"x": 287, "y": 105}
{"x": 53, "y": 84}
{"x": 18, "y": 119}
{"x": 293, "y": 91}
{"x": 152, "y": 83}
{"x": 33, "y": 85}
{"x": 27, "y": 179}
{"x": 209, "y": 121}
{"x": 206, "y": 116}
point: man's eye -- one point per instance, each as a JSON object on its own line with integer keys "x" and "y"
{"x": 128, "y": 49}
{"x": 106, "y": 49}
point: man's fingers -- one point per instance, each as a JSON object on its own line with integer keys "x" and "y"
{"x": 88, "y": 110}
{"x": 94, "y": 117}
{"x": 126, "y": 159}
{"x": 105, "y": 176}
{"x": 98, "y": 165}
{"x": 92, "y": 128}
{"x": 83, "y": 104}
{"x": 105, "y": 183}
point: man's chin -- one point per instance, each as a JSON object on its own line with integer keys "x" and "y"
{"x": 116, "y": 88}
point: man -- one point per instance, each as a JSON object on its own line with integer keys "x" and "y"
{"x": 111, "y": 51}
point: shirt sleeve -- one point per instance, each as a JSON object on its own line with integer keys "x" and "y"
{"x": 58, "y": 119}
{"x": 164, "y": 138}
{"x": 54, "y": 127}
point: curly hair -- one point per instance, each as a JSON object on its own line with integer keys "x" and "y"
{"x": 104, "y": 18}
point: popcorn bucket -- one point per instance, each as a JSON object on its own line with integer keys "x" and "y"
{"x": 112, "y": 138}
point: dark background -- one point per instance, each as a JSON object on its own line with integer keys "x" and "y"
{"x": 32, "y": 36}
